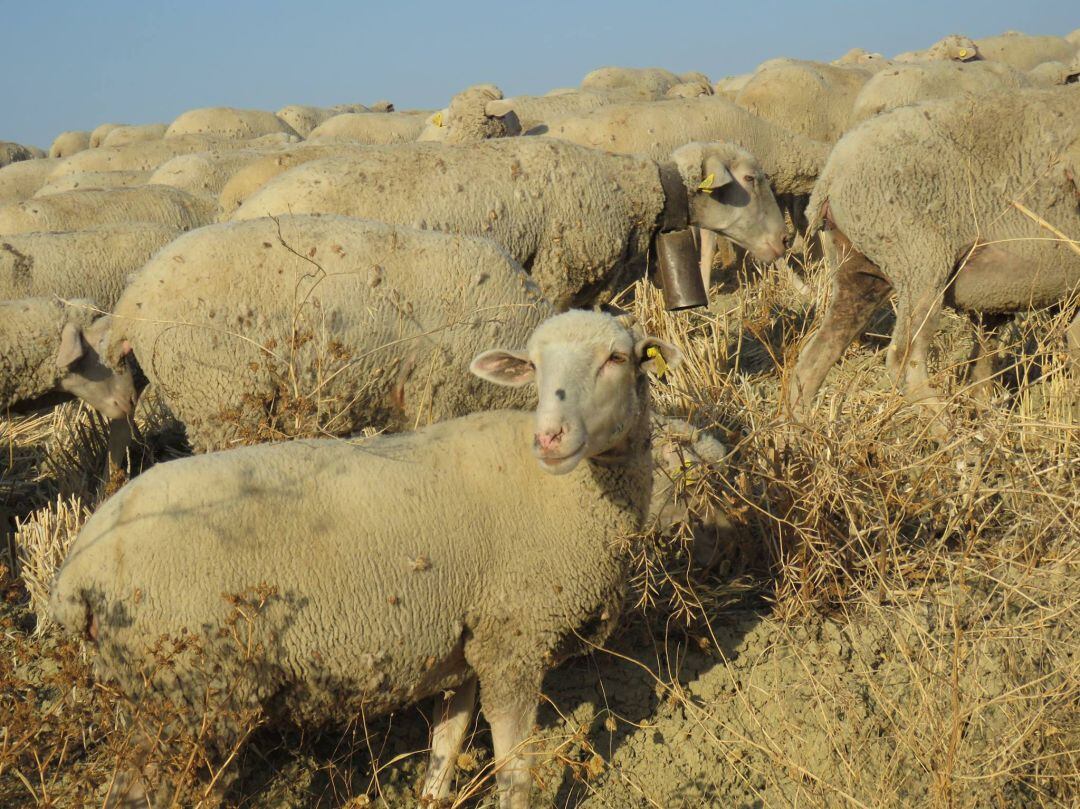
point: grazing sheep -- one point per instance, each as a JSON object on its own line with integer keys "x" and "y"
{"x": 475, "y": 114}
{"x": 1024, "y": 52}
{"x": 579, "y": 220}
{"x": 48, "y": 346}
{"x": 489, "y": 556}
{"x": 690, "y": 89}
{"x": 87, "y": 263}
{"x": 912, "y": 84}
{"x": 955, "y": 48}
{"x": 14, "y": 153}
{"x": 919, "y": 201}
{"x": 536, "y": 111}
{"x": 69, "y": 143}
{"x": 860, "y": 57}
{"x": 255, "y": 175}
{"x": 389, "y": 322}
{"x": 655, "y": 129}
{"x": 92, "y": 181}
{"x": 1049, "y": 74}
{"x": 19, "y": 181}
{"x": 100, "y": 132}
{"x": 76, "y": 210}
{"x": 205, "y": 174}
{"x": 228, "y": 122}
{"x": 303, "y": 119}
{"x": 140, "y": 156}
{"x": 628, "y": 83}
{"x": 370, "y": 128}
{"x": 126, "y": 135}
{"x": 811, "y": 98}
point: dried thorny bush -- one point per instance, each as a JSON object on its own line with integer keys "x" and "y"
{"x": 882, "y": 619}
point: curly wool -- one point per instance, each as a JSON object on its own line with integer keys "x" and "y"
{"x": 29, "y": 339}
{"x": 390, "y": 319}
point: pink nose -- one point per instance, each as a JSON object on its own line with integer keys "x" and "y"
{"x": 549, "y": 440}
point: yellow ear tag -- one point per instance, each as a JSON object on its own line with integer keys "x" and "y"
{"x": 963, "y": 53}
{"x": 706, "y": 185}
{"x": 437, "y": 119}
{"x": 654, "y": 354}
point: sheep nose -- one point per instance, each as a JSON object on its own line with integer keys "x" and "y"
{"x": 787, "y": 241}
{"x": 550, "y": 439}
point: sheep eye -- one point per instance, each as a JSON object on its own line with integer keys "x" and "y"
{"x": 749, "y": 178}
{"x": 617, "y": 359}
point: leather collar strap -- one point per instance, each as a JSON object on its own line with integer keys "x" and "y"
{"x": 676, "y": 213}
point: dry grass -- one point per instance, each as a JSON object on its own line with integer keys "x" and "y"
{"x": 920, "y": 601}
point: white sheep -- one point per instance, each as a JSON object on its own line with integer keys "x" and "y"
{"x": 303, "y": 119}
{"x": 69, "y": 143}
{"x": 15, "y": 153}
{"x": 488, "y": 556}
{"x": 92, "y": 181}
{"x": 205, "y": 174}
{"x": 89, "y": 263}
{"x": 100, "y": 132}
{"x": 579, "y": 220}
{"x": 641, "y": 83}
{"x": 1024, "y": 52}
{"x": 21, "y": 180}
{"x": 389, "y": 319}
{"x": 920, "y": 200}
{"x": 139, "y": 156}
{"x": 228, "y": 122}
{"x": 954, "y": 47}
{"x": 477, "y": 113}
{"x": 371, "y": 127}
{"x": 75, "y": 210}
{"x": 49, "y": 347}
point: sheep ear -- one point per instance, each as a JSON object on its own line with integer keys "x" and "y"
{"x": 657, "y": 356}
{"x": 717, "y": 175}
{"x": 510, "y": 368}
{"x": 497, "y": 108}
{"x": 71, "y": 346}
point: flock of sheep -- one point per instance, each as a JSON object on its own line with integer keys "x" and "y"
{"x": 371, "y": 258}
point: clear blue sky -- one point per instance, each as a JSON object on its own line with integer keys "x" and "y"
{"x": 72, "y": 65}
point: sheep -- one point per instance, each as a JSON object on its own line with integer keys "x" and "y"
{"x": 488, "y": 557}
{"x": 920, "y": 201}
{"x": 100, "y": 132}
{"x": 205, "y": 174}
{"x": 125, "y": 135}
{"x": 811, "y": 98}
{"x": 14, "y": 153}
{"x": 955, "y": 47}
{"x": 371, "y": 128}
{"x": 303, "y": 119}
{"x": 92, "y": 181}
{"x": 141, "y": 156}
{"x": 1024, "y": 52}
{"x": 641, "y": 83}
{"x": 228, "y": 122}
{"x": 860, "y": 57}
{"x": 255, "y": 175}
{"x": 50, "y": 347}
{"x": 1074, "y": 37}
{"x": 730, "y": 86}
{"x": 19, "y": 181}
{"x": 69, "y": 143}
{"x": 690, "y": 89}
{"x": 475, "y": 114}
{"x": 534, "y": 112}
{"x": 75, "y": 210}
{"x": 89, "y": 263}
{"x": 409, "y": 308}
{"x": 579, "y": 220}
{"x": 655, "y": 129}
{"x": 1051, "y": 73}
{"x": 911, "y": 84}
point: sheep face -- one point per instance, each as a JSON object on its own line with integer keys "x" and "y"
{"x": 85, "y": 375}
{"x": 589, "y": 370}
{"x": 730, "y": 195}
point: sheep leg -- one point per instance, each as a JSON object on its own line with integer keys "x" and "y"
{"x": 857, "y": 293}
{"x": 983, "y": 354}
{"x": 447, "y": 738}
{"x": 511, "y": 712}
{"x": 708, "y": 253}
{"x": 917, "y": 325}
